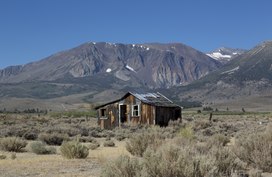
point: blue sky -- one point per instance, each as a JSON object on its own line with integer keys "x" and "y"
{"x": 34, "y": 29}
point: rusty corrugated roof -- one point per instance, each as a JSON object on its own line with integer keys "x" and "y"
{"x": 156, "y": 99}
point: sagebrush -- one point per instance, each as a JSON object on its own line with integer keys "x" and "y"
{"x": 74, "y": 150}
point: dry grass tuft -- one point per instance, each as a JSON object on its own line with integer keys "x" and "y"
{"x": 12, "y": 144}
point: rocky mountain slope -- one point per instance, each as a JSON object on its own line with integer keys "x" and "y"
{"x": 152, "y": 65}
{"x": 249, "y": 75}
{"x": 224, "y": 54}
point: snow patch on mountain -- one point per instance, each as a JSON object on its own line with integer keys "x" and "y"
{"x": 108, "y": 70}
{"x": 225, "y": 54}
{"x": 231, "y": 71}
{"x": 130, "y": 68}
{"x": 217, "y": 55}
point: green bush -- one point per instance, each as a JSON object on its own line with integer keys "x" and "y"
{"x": 54, "y": 138}
{"x": 41, "y": 148}
{"x": 187, "y": 132}
{"x": 124, "y": 166}
{"x": 12, "y": 144}
{"x": 74, "y": 150}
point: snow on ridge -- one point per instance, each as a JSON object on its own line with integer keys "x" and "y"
{"x": 231, "y": 71}
{"x": 217, "y": 55}
{"x": 108, "y": 70}
{"x": 147, "y": 48}
{"x": 130, "y": 68}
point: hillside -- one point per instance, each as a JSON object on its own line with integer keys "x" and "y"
{"x": 248, "y": 77}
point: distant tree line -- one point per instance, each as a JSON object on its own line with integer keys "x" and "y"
{"x": 28, "y": 111}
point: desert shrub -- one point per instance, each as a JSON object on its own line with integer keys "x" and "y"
{"x": 138, "y": 143}
{"x": 256, "y": 150}
{"x": 224, "y": 162}
{"x": 74, "y": 150}
{"x": 63, "y": 129}
{"x": 201, "y": 124}
{"x": 31, "y": 135}
{"x": 187, "y": 161}
{"x": 94, "y": 146}
{"x": 109, "y": 143}
{"x": 187, "y": 132}
{"x": 13, "y": 156}
{"x": 174, "y": 123}
{"x": 108, "y": 138}
{"x": 174, "y": 161}
{"x": 86, "y": 139}
{"x": 208, "y": 132}
{"x": 98, "y": 133}
{"x": 124, "y": 166}
{"x": 41, "y": 148}
{"x": 12, "y": 144}
{"x": 120, "y": 137}
{"x": 54, "y": 138}
{"x": 218, "y": 140}
{"x": 2, "y": 156}
{"x": 227, "y": 128}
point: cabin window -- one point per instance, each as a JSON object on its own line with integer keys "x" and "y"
{"x": 103, "y": 112}
{"x": 135, "y": 110}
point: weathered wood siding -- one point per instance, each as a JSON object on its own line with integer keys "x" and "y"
{"x": 165, "y": 114}
{"x": 130, "y": 101}
{"x": 112, "y": 117}
{"x": 147, "y": 114}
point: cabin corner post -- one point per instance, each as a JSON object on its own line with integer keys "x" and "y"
{"x": 119, "y": 115}
{"x": 181, "y": 109}
{"x": 154, "y": 113}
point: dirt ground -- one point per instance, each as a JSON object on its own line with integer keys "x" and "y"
{"x": 29, "y": 164}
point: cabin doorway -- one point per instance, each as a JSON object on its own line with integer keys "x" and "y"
{"x": 123, "y": 113}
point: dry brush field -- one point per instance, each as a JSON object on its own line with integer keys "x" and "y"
{"x": 227, "y": 145}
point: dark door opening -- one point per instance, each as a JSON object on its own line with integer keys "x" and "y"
{"x": 123, "y": 113}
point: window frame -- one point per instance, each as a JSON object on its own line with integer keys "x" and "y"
{"x": 138, "y": 111}
{"x": 105, "y": 116}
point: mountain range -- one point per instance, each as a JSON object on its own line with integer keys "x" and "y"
{"x": 99, "y": 72}
{"x": 152, "y": 65}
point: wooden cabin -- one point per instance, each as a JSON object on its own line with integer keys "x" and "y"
{"x": 138, "y": 108}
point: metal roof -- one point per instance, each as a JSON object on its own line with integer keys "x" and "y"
{"x": 155, "y": 99}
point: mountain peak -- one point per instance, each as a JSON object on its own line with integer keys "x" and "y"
{"x": 225, "y": 54}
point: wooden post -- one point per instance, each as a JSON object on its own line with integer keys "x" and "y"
{"x": 210, "y": 119}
